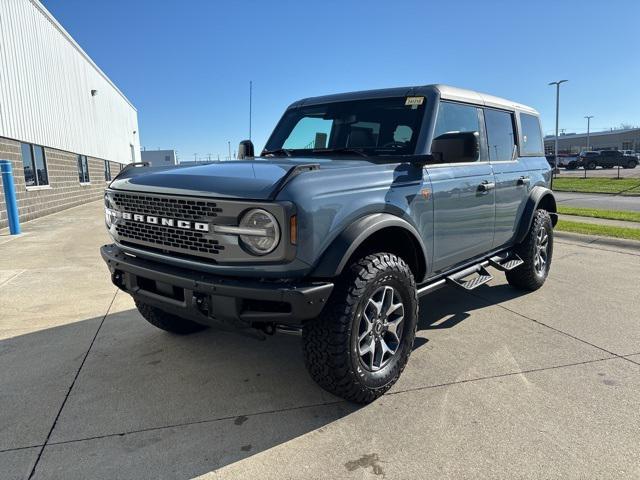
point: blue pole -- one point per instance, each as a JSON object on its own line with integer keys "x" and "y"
{"x": 10, "y": 197}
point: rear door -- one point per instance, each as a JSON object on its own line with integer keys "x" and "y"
{"x": 512, "y": 180}
{"x": 463, "y": 192}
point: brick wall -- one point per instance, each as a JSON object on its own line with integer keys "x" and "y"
{"x": 64, "y": 189}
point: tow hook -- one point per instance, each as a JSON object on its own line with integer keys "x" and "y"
{"x": 267, "y": 328}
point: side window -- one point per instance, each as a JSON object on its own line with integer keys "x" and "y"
{"x": 456, "y": 133}
{"x": 309, "y": 132}
{"x": 499, "y": 127}
{"x": 531, "y": 141}
{"x": 83, "y": 169}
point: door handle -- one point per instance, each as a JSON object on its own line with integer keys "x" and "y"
{"x": 486, "y": 186}
{"x": 523, "y": 181}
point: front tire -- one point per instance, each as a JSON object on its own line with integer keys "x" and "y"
{"x": 166, "y": 321}
{"x": 358, "y": 348}
{"x": 536, "y": 250}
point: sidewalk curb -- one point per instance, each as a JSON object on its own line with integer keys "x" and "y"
{"x": 598, "y": 240}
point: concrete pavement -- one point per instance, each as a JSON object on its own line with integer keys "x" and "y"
{"x": 500, "y": 384}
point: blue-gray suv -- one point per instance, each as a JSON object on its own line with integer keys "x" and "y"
{"x": 358, "y": 204}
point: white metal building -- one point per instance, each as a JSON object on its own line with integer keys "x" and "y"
{"x": 159, "y": 158}
{"x": 57, "y": 103}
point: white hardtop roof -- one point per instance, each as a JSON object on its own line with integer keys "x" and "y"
{"x": 470, "y": 96}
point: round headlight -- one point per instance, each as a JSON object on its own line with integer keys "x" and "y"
{"x": 264, "y": 231}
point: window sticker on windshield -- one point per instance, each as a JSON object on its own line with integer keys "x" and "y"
{"x": 414, "y": 101}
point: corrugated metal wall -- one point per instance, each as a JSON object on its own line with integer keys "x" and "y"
{"x": 45, "y": 89}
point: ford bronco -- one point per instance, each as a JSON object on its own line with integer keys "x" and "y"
{"x": 359, "y": 204}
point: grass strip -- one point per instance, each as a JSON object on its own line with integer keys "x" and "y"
{"x": 597, "y": 213}
{"x": 625, "y": 186}
{"x": 595, "y": 229}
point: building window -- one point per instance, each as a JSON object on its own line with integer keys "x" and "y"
{"x": 83, "y": 169}
{"x": 34, "y": 162}
{"x": 107, "y": 171}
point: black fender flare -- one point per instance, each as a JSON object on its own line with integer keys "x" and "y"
{"x": 538, "y": 196}
{"x": 335, "y": 257}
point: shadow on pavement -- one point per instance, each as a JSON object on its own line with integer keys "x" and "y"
{"x": 147, "y": 403}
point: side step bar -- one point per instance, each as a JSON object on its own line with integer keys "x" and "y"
{"x": 460, "y": 279}
{"x": 503, "y": 262}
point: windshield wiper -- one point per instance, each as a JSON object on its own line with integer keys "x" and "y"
{"x": 357, "y": 151}
{"x": 277, "y": 151}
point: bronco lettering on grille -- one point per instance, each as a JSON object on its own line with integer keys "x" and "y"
{"x": 166, "y": 222}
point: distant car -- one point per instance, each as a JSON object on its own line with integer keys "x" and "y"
{"x": 570, "y": 162}
{"x": 608, "y": 159}
{"x": 631, "y": 153}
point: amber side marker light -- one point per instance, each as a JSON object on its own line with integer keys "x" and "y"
{"x": 293, "y": 230}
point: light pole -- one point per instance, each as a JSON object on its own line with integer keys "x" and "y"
{"x": 555, "y": 161}
{"x": 588, "y": 117}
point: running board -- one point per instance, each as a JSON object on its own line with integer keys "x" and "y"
{"x": 511, "y": 262}
{"x": 481, "y": 276}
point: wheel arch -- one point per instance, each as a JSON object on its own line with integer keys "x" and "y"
{"x": 374, "y": 233}
{"x": 539, "y": 198}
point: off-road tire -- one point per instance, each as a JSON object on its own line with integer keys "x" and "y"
{"x": 525, "y": 277}
{"x": 167, "y": 321}
{"x": 330, "y": 341}
{"x": 591, "y": 165}
{"x": 631, "y": 164}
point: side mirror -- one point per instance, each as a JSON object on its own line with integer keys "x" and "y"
{"x": 456, "y": 147}
{"x": 245, "y": 149}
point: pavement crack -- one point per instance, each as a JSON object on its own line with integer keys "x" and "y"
{"x": 73, "y": 382}
{"x": 501, "y": 375}
{"x": 200, "y": 422}
{"x": 500, "y": 305}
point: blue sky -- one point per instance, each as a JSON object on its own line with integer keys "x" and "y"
{"x": 186, "y": 65}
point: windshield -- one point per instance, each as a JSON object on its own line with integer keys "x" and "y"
{"x": 373, "y": 127}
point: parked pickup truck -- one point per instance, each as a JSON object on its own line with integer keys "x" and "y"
{"x": 607, "y": 159}
{"x": 359, "y": 204}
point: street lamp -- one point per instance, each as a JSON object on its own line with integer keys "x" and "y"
{"x": 588, "y": 117}
{"x": 557, "y": 84}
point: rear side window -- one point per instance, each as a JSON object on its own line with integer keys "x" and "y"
{"x": 499, "y": 135}
{"x": 531, "y": 142}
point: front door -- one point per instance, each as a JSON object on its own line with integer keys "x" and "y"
{"x": 463, "y": 192}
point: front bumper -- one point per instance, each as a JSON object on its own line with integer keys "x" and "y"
{"x": 211, "y": 299}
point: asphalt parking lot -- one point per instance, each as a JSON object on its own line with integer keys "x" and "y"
{"x": 500, "y": 384}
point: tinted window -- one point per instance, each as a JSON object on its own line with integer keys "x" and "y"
{"x": 499, "y": 135}
{"x": 455, "y": 128}
{"x": 41, "y": 165}
{"x": 34, "y": 163}
{"x": 453, "y": 117}
{"x": 531, "y": 142}
{"x": 376, "y": 127}
{"x": 27, "y": 163}
{"x": 107, "y": 171}
{"x": 83, "y": 169}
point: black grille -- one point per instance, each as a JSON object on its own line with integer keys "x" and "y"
{"x": 169, "y": 237}
{"x": 170, "y": 207}
{"x": 162, "y": 237}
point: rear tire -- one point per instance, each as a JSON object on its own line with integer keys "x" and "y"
{"x": 373, "y": 310}
{"x": 537, "y": 251}
{"x": 167, "y": 321}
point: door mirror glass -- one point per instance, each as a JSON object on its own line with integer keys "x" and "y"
{"x": 456, "y": 147}
{"x": 245, "y": 149}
